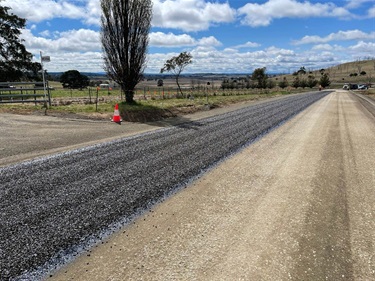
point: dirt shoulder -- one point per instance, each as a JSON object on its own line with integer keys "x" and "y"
{"x": 299, "y": 204}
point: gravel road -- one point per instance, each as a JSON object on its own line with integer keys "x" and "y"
{"x": 54, "y": 206}
{"x": 298, "y": 204}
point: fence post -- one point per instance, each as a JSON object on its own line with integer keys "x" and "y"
{"x": 97, "y": 96}
{"x": 49, "y": 95}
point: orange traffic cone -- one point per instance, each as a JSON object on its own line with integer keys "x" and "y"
{"x": 116, "y": 115}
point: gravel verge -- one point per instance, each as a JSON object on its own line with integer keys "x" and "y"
{"x": 53, "y": 207}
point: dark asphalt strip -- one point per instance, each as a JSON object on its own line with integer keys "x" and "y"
{"x": 52, "y": 206}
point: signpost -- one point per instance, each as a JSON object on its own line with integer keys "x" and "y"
{"x": 44, "y": 59}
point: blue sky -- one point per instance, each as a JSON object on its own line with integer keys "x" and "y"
{"x": 233, "y": 36}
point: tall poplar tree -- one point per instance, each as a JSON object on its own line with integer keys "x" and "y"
{"x": 125, "y": 26}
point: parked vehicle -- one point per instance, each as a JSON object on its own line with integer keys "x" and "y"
{"x": 362, "y": 87}
{"x": 7, "y": 86}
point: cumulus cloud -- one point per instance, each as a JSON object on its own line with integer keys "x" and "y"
{"x": 186, "y": 15}
{"x": 247, "y": 45}
{"x": 328, "y": 48}
{"x": 81, "y": 40}
{"x": 80, "y": 48}
{"x": 209, "y": 41}
{"x": 41, "y": 10}
{"x": 168, "y": 40}
{"x": 263, "y": 14}
{"x": 190, "y": 15}
{"x": 363, "y": 47}
{"x": 160, "y": 39}
{"x": 338, "y": 36}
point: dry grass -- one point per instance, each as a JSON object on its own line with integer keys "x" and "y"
{"x": 340, "y": 74}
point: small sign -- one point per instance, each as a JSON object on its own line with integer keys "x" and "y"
{"x": 46, "y": 58}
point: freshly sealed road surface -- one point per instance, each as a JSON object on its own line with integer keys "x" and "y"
{"x": 298, "y": 204}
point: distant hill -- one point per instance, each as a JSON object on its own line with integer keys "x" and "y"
{"x": 361, "y": 71}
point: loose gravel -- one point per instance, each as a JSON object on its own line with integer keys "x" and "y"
{"x": 52, "y": 208}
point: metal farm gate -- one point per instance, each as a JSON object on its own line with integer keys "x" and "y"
{"x": 24, "y": 92}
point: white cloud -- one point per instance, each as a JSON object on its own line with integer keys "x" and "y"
{"x": 82, "y": 40}
{"x": 263, "y": 14}
{"x": 339, "y": 36}
{"x": 328, "y": 48}
{"x": 363, "y": 48}
{"x": 322, "y": 47}
{"x": 190, "y": 15}
{"x": 186, "y": 15}
{"x": 42, "y": 10}
{"x": 79, "y": 40}
{"x": 371, "y": 12}
{"x": 39, "y": 10}
{"x": 45, "y": 33}
{"x": 230, "y": 50}
{"x": 81, "y": 49}
{"x": 247, "y": 45}
{"x": 81, "y": 61}
{"x": 353, "y": 4}
{"x": 160, "y": 39}
{"x": 209, "y": 41}
{"x": 93, "y": 12}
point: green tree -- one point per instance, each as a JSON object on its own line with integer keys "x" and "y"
{"x": 311, "y": 81}
{"x": 302, "y": 71}
{"x": 271, "y": 84}
{"x": 260, "y": 77}
{"x": 225, "y": 84}
{"x": 296, "y": 82}
{"x": 284, "y": 83}
{"x": 176, "y": 65}
{"x": 125, "y": 25}
{"x": 324, "y": 80}
{"x": 73, "y": 79}
{"x": 303, "y": 83}
{"x": 15, "y": 62}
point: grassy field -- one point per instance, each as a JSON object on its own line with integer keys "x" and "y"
{"x": 157, "y": 102}
{"x": 150, "y": 104}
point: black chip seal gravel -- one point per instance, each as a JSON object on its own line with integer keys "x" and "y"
{"x": 53, "y": 207}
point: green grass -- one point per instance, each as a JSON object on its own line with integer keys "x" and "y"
{"x": 154, "y": 100}
{"x": 85, "y": 93}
